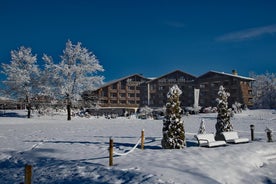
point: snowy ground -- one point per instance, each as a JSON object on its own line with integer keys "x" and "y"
{"x": 77, "y": 151}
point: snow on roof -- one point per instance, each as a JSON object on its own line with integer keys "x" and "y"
{"x": 155, "y": 78}
{"x": 228, "y": 74}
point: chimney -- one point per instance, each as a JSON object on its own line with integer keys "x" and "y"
{"x": 234, "y": 72}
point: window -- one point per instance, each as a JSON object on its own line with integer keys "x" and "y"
{"x": 131, "y": 102}
{"x": 171, "y": 80}
{"x": 122, "y": 95}
{"x": 152, "y": 87}
{"x": 181, "y": 79}
{"x": 104, "y": 94}
{"x": 122, "y": 102}
{"x": 103, "y": 101}
{"x": 114, "y": 86}
{"x": 114, "y": 95}
{"x": 131, "y": 87}
{"x": 162, "y": 80}
{"x": 131, "y": 95}
{"x": 113, "y": 101}
{"x": 123, "y": 84}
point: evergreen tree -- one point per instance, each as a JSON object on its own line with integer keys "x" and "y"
{"x": 223, "y": 119}
{"x": 173, "y": 128}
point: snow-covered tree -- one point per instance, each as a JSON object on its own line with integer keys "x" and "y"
{"x": 237, "y": 107}
{"x": 146, "y": 111}
{"x": 264, "y": 90}
{"x": 48, "y": 84}
{"x": 223, "y": 119}
{"x": 22, "y": 75}
{"x": 173, "y": 128}
{"x": 77, "y": 73}
{"x": 202, "y": 129}
{"x": 49, "y": 79}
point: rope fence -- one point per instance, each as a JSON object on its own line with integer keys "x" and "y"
{"x": 112, "y": 152}
{"x": 131, "y": 150}
{"x": 141, "y": 140}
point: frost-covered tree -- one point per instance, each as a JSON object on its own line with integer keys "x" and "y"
{"x": 146, "y": 111}
{"x": 49, "y": 78}
{"x": 173, "y": 128}
{"x": 264, "y": 90}
{"x": 49, "y": 83}
{"x": 77, "y": 73}
{"x": 223, "y": 118}
{"x": 237, "y": 107}
{"x": 22, "y": 75}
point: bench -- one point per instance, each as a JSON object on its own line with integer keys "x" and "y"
{"x": 232, "y": 137}
{"x": 208, "y": 140}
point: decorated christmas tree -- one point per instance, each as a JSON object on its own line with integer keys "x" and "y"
{"x": 173, "y": 128}
{"x": 223, "y": 119}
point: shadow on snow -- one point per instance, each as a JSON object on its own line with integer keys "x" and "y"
{"x": 52, "y": 170}
{"x": 12, "y": 115}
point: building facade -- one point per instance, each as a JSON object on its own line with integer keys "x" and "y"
{"x": 154, "y": 93}
{"x": 136, "y": 91}
{"x": 121, "y": 93}
{"x": 239, "y": 87}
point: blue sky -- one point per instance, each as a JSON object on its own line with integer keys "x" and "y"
{"x": 149, "y": 37}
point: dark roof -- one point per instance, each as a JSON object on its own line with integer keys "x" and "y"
{"x": 227, "y": 74}
{"x": 172, "y": 73}
{"x": 120, "y": 79}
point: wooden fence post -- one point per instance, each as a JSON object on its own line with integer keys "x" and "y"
{"x": 28, "y": 174}
{"x": 142, "y": 139}
{"x": 110, "y": 152}
{"x": 252, "y": 127}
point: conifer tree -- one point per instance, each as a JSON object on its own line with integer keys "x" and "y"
{"x": 173, "y": 128}
{"x": 223, "y": 119}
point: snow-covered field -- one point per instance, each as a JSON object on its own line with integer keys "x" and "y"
{"x": 76, "y": 151}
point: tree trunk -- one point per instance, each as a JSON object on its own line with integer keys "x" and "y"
{"x": 28, "y": 106}
{"x": 29, "y": 110}
{"x": 68, "y": 107}
{"x": 68, "y": 112}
